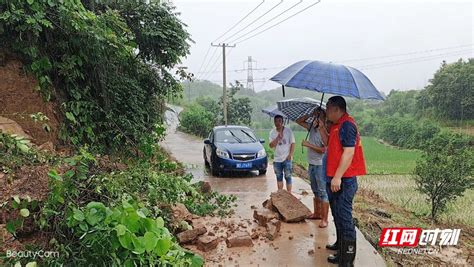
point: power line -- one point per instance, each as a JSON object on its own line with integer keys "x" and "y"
{"x": 207, "y": 52}
{"x": 255, "y": 20}
{"x": 210, "y": 60}
{"x": 231, "y": 28}
{"x": 365, "y": 59}
{"x": 406, "y": 54}
{"x": 266, "y": 22}
{"x": 205, "y": 57}
{"x": 274, "y": 25}
{"x": 218, "y": 65}
{"x": 412, "y": 60}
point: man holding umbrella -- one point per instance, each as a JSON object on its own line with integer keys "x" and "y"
{"x": 345, "y": 161}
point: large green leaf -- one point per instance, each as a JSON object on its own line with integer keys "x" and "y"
{"x": 197, "y": 261}
{"x": 138, "y": 244}
{"x": 162, "y": 247}
{"x": 78, "y": 215}
{"x": 126, "y": 240}
{"x": 96, "y": 212}
{"x": 121, "y": 229}
{"x": 131, "y": 221}
{"x": 150, "y": 240}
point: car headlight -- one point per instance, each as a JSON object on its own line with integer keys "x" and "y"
{"x": 261, "y": 153}
{"x": 222, "y": 154}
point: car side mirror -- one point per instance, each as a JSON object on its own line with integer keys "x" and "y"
{"x": 207, "y": 141}
{"x": 262, "y": 140}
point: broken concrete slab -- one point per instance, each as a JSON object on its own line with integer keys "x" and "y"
{"x": 239, "y": 239}
{"x": 273, "y": 229}
{"x": 189, "y": 236}
{"x": 289, "y": 207}
{"x": 207, "y": 243}
{"x": 263, "y": 216}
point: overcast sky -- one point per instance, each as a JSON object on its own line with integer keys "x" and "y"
{"x": 336, "y": 31}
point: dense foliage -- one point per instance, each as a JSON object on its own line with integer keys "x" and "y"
{"x": 451, "y": 92}
{"x": 204, "y": 113}
{"x": 101, "y": 211}
{"x": 108, "y": 62}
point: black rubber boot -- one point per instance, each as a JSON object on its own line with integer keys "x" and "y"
{"x": 347, "y": 253}
{"x": 334, "y": 246}
{"x": 334, "y": 258}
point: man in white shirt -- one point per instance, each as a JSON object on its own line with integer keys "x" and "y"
{"x": 282, "y": 141}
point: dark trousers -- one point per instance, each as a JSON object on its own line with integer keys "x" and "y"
{"x": 341, "y": 207}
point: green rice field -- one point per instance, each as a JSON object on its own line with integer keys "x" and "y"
{"x": 380, "y": 158}
{"x": 390, "y": 174}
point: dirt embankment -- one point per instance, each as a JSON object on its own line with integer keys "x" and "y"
{"x": 19, "y": 98}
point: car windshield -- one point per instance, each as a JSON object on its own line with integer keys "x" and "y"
{"x": 234, "y": 136}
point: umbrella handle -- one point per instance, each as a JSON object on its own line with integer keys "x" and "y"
{"x": 311, "y": 125}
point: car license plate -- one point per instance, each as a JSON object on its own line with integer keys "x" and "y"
{"x": 244, "y": 165}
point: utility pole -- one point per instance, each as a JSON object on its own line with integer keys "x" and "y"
{"x": 224, "y": 98}
{"x": 250, "y": 84}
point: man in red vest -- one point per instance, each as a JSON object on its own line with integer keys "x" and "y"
{"x": 345, "y": 161}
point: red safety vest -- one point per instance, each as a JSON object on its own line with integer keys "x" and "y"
{"x": 335, "y": 150}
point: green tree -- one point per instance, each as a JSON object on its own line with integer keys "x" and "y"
{"x": 239, "y": 109}
{"x": 444, "y": 173}
{"x": 451, "y": 92}
{"x": 112, "y": 77}
{"x": 195, "y": 119}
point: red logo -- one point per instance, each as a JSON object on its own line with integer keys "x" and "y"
{"x": 400, "y": 237}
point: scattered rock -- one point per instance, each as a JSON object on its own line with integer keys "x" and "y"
{"x": 289, "y": 207}
{"x": 253, "y": 207}
{"x": 190, "y": 235}
{"x": 239, "y": 239}
{"x": 254, "y": 235}
{"x": 211, "y": 234}
{"x": 290, "y": 237}
{"x": 263, "y": 216}
{"x": 311, "y": 252}
{"x": 269, "y": 205}
{"x": 207, "y": 243}
{"x": 48, "y": 146}
{"x": 12, "y": 127}
{"x": 380, "y": 213}
{"x": 304, "y": 193}
{"x": 273, "y": 228}
{"x": 206, "y": 187}
{"x": 179, "y": 212}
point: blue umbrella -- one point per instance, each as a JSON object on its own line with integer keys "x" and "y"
{"x": 327, "y": 78}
